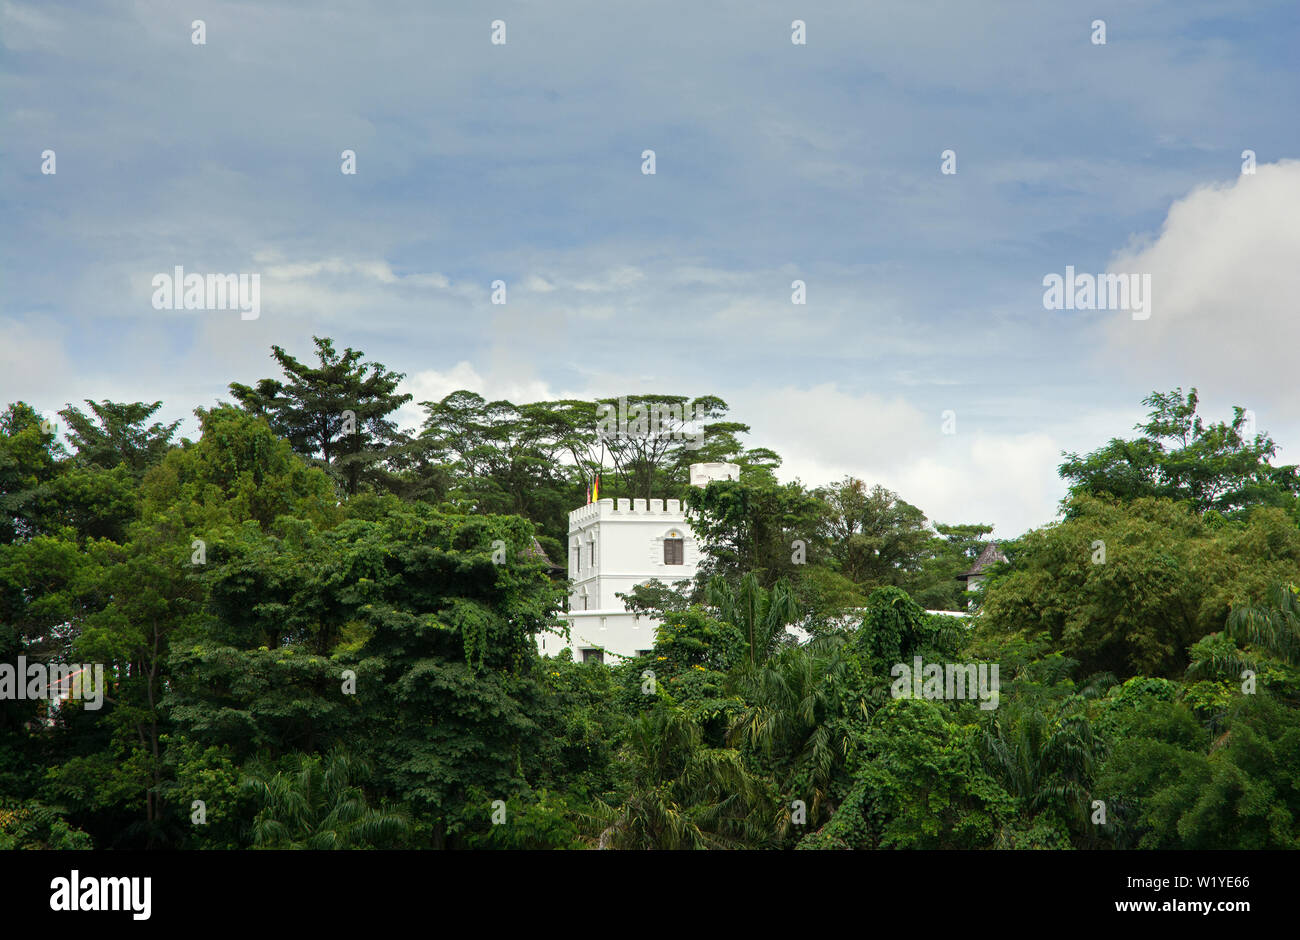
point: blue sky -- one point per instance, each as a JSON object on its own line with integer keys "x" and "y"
{"x": 775, "y": 162}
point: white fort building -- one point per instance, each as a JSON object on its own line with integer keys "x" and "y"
{"x": 613, "y": 548}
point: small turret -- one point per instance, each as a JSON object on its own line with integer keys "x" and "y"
{"x": 991, "y": 555}
{"x": 702, "y": 474}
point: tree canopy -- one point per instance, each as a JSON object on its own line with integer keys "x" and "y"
{"x": 319, "y": 635}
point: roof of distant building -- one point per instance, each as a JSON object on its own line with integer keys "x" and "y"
{"x": 536, "y": 551}
{"x": 990, "y": 555}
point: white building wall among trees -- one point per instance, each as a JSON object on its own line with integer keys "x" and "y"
{"x": 613, "y": 546}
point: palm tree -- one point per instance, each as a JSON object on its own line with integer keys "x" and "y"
{"x": 797, "y": 698}
{"x": 320, "y": 805}
{"x": 1044, "y": 762}
{"x": 683, "y": 795}
{"x": 762, "y": 615}
{"x": 1273, "y": 626}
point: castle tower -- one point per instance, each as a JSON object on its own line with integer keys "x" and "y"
{"x": 614, "y": 546}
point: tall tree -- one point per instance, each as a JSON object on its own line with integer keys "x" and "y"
{"x": 1128, "y": 587}
{"x": 1273, "y": 625}
{"x": 504, "y": 458}
{"x": 1046, "y": 762}
{"x": 335, "y": 412}
{"x": 803, "y": 706}
{"x": 753, "y": 524}
{"x": 683, "y": 794}
{"x": 762, "y": 615}
{"x": 649, "y": 436}
{"x": 29, "y": 462}
{"x": 115, "y": 433}
{"x": 919, "y": 783}
{"x": 239, "y": 473}
{"x": 951, "y": 552}
{"x": 875, "y": 538}
{"x": 1220, "y": 465}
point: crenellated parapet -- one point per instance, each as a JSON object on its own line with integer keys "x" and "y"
{"x": 626, "y": 509}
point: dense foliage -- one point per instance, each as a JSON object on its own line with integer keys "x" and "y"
{"x": 319, "y": 631}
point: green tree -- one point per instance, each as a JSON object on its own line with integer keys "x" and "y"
{"x": 115, "y": 433}
{"x": 894, "y": 628}
{"x": 1047, "y": 763}
{"x": 952, "y": 551}
{"x": 682, "y": 794}
{"x": 1128, "y": 587}
{"x": 762, "y": 615}
{"x": 30, "y": 824}
{"x": 752, "y": 525}
{"x": 29, "y": 464}
{"x": 664, "y": 434}
{"x": 1170, "y": 785}
{"x": 335, "y": 412}
{"x": 319, "y": 803}
{"x": 151, "y": 590}
{"x": 875, "y": 538}
{"x": 1220, "y": 465}
{"x": 802, "y": 709}
{"x": 918, "y": 783}
{"x": 503, "y": 458}
{"x": 1274, "y": 625}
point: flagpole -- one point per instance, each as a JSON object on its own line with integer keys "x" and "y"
{"x": 601, "y": 467}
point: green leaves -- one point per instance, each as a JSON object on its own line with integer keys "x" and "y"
{"x": 1168, "y": 578}
{"x": 1238, "y": 792}
{"x": 334, "y": 413}
{"x": 919, "y": 784}
{"x": 364, "y": 674}
{"x": 691, "y": 638}
{"x": 875, "y": 538}
{"x": 683, "y": 794}
{"x": 117, "y": 436}
{"x": 318, "y": 803}
{"x": 748, "y": 525}
{"x": 28, "y": 464}
{"x": 802, "y": 709}
{"x": 761, "y": 615}
{"x": 1274, "y": 625}
{"x": 894, "y": 628}
{"x": 1222, "y": 466}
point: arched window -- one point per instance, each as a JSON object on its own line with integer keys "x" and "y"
{"x": 673, "y": 549}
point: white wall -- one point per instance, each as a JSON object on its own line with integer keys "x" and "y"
{"x": 628, "y": 538}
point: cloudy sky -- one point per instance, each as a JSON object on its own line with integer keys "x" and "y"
{"x": 818, "y": 162}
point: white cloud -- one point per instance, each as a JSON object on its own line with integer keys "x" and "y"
{"x": 1224, "y": 284}
{"x": 617, "y": 278}
{"x": 434, "y": 385}
{"x": 1007, "y": 480}
{"x": 33, "y": 364}
{"x": 826, "y": 427}
{"x": 364, "y": 270}
{"x": 824, "y": 433}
